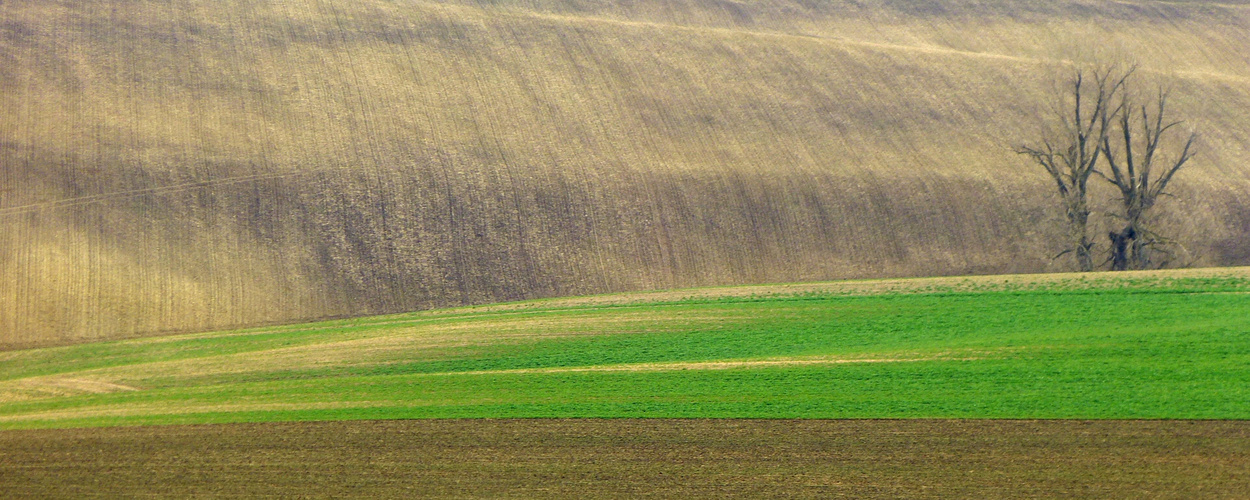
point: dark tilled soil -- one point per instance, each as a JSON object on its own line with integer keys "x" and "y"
{"x": 637, "y": 458}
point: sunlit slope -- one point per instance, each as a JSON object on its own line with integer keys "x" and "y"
{"x": 199, "y": 164}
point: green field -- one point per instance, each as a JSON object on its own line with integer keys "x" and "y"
{"x": 1146, "y": 346}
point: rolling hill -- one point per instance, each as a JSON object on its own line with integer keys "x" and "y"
{"x": 1156, "y": 345}
{"x": 197, "y": 164}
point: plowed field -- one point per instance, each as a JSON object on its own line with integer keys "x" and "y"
{"x": 637, "y": 458}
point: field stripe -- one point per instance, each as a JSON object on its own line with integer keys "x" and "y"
{"x": 708, "y": 365}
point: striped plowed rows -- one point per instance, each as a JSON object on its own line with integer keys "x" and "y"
{"x": 633, "y": 458}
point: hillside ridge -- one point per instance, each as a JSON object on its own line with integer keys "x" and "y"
{"x": 195, "y": 165}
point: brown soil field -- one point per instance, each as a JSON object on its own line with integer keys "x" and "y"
{"x": 637, "y": 458}
{"x": 191, "y": 165}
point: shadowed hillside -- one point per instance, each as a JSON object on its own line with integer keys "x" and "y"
{"x": 192, "y": 164}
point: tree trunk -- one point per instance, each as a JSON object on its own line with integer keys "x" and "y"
{"x": 1083, "y": 258}
{"x": 1141, "y": 254}
{"x": 1121, "y": 244}
{"x": 1078, "y": 221}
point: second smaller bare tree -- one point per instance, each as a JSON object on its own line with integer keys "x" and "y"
{"x": 1133, "y": 153}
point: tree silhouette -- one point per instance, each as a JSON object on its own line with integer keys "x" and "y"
{"x": 1070, "y": 152}
{"x": 1132, "y": 153}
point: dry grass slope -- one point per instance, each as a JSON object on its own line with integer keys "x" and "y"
{"x": 199, "y": 164}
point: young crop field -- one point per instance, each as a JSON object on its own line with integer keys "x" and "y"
{"x": 1147, "y": 346}
{"x": 1124, "y": 385}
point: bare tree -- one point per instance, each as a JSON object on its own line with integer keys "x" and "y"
{"x": 1071, "y": 152}
{"x": 1132, "y": 153}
